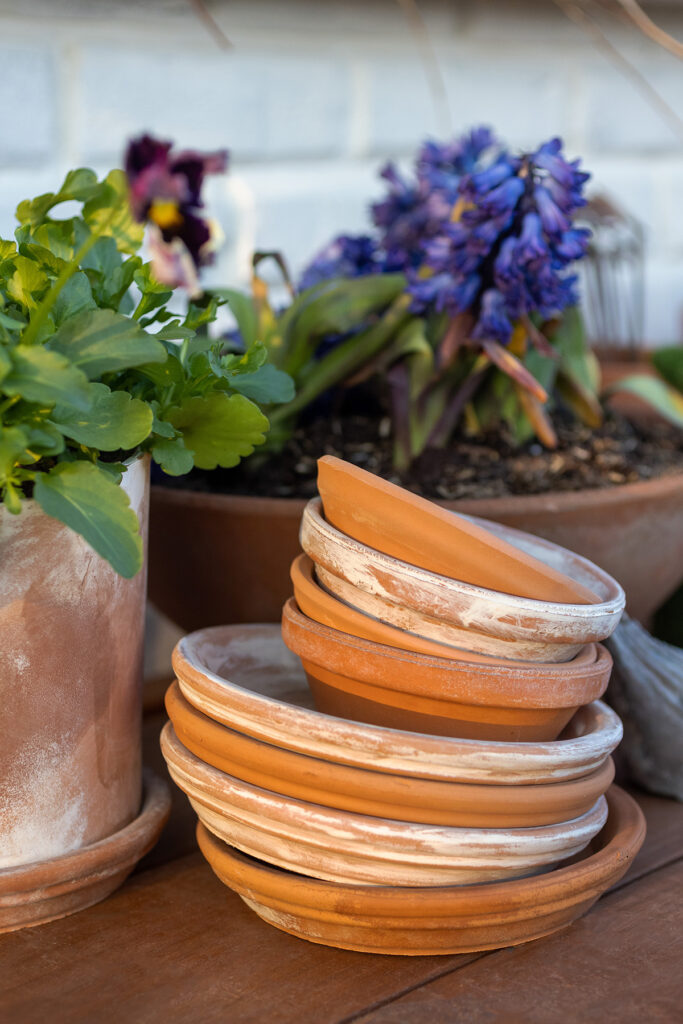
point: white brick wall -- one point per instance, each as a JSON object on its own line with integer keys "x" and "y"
{"x": 314, "y": 96}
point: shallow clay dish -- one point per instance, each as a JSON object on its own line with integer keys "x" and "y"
{"x": 44, "y": 890}
{"x": 342, "y": 846}
{"x": 399, "y": 523}
{"x": 428, "y": 801}
{"x": 463, "y": 604}
{"x": 444, "y": 919}
{"x": 333, "y": 602}
{"x": 245, "y": 677}
{"x": 488, "y": 700}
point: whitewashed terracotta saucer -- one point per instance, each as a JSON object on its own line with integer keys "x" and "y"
{"x": 245, "y": 677}
{"x": 465, "y": 605}
{"x": 408, "y": 921}
{"x": 345, "y": 847}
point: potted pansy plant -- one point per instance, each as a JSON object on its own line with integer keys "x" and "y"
{"x": 444, "y": 349}
{"x": 97, "y": 378}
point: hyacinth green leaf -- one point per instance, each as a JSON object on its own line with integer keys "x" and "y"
{"x": 114, "y": 421}
{"x": 669, "y": 362}
{"x": 242, "y": 308}
{"x": 101, "y": 341}
{"x": 665, "y": 400}
{"x": 46, "y": 377}
{"x": 173, "y": 456}
{"x": 220, "y": 429}
{"x": 267, "y": 385}
{"x": 87, "y": 499}
{"x": 109, "y": 209}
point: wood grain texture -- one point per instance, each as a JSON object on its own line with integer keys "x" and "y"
{"x": 621, "y": 963}
{"x": 174, "y": 946}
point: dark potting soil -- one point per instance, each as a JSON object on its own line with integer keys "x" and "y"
{"x": 618, "y": 452}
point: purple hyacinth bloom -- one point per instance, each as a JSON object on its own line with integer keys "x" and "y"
{"x": 573, "y": 244}
{"x": 553, "y": 219}
{"x": 345, "y": 256}
{"x": 442, "y": 165}
{"x": 493, "y": 319}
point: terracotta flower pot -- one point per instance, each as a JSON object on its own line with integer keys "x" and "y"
{"x": 432, "y": 802}
{"x": 397, "y": 522}
{"x": 370, "y": 682}
{"x": 346, "y": 847}
{"x": 453, "y": 919}
{"x": 245, "y": 678}
{"x": 334, "y": 602}
{"x": 633, "y": 531}
{"x": 72, "y": 630}
{"x": 465, "y": 606}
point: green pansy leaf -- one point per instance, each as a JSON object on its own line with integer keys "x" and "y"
{"x": 174, "y": 331}
{"x": 163, "y": 374}
{"x": 11, "y": 323}
{"x": 220, "y": 429}
{"x": 45, "y": 258}
{"x": 46, "y": 377}
{"x": 5, "y": 362}
{"x": 80, "y": 184}
{"x": 8, "y": 249}
{"x": 28, "y": 282}
{"x": 13, "y": 449}
{"x": 173, "y": 457}
{"x": 110, "y": 209}
{"x": 85, "y": 498}
{"x": 75, "y": 297}
{"x": 58, "y": 237}
{"x": 114, "y": 421}
{"x": 101, "y": 341}
{"x": 267, "y": 385}
{"x": 113, "y": 469}
{"x": 44, "y": 438}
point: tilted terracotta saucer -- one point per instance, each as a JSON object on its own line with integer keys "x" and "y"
{"x": 462, "y": 604}
{"x": 444, "y": 919}
{"x": 500, "y": 700}
{"x": 245, "y": 677}
{"x": 343, "y": 846}
{"x": 45, "y": 890}
{"x": 334, "y": 602}
{"x": 428, "y": 801}
{"x": 399, "y": 523}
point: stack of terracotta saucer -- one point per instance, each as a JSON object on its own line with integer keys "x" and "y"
{"x": 433, "y": 763}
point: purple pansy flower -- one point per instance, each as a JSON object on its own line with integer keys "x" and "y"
{"x": 165, "y": 191}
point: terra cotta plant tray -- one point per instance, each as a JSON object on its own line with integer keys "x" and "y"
{"x": 503, "y": 700}
{"x": 465, "y": 605}
{"x": 429, "y": 801}
{"x": 399, "y": 523}
{"x": 444, "y": 919}
{"x": 346, "y": 847}
{"x": 245, "y": 677}
{"x": 42, "y": 891}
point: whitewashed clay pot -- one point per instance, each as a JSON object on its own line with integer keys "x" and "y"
{"x": 346, "y": 847}
{"x": 464, "y": 605}
{"x": 364, "y": 791}
{"x": 245, "y": 677}
{"x": 433, "y": 920}
{"x": 70, "y": 747}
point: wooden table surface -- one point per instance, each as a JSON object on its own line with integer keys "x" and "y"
{"x": 174, "y": 945}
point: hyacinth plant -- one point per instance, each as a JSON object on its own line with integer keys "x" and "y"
{"x": 94, "y": 368}
{"x": 462, "y": 298}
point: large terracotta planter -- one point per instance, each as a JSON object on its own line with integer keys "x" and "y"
{"x": 244, "y": 677}
{"x": 72, "y": 635}
{"x": 443, "y": 919}
{"x": 496, "y": 700}
{"x": 233, "y": 553}
{"x": 364, "y": 791}
{"x": 345, "y": 847}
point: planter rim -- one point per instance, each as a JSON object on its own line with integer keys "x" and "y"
{"x": 641, "y": 490}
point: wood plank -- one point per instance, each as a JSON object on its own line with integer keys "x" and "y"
{"x": 664, "y": 840}
{"x": 174, "y": 945}
{"x": 622, "y": 962}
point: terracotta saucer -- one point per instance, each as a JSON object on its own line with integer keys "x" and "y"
{"x": 45, "y": 890}
{"x": 499, "y": 700}
{"x": 445, "y": 919}
{"x": 428, "y": 801}
{"x": 245, "y": 677}
{"x": 463, "y": 604}
{"x": 345, "y": 847}
{"x": 333, "y": 602}
{"x": 391, "y": 519}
